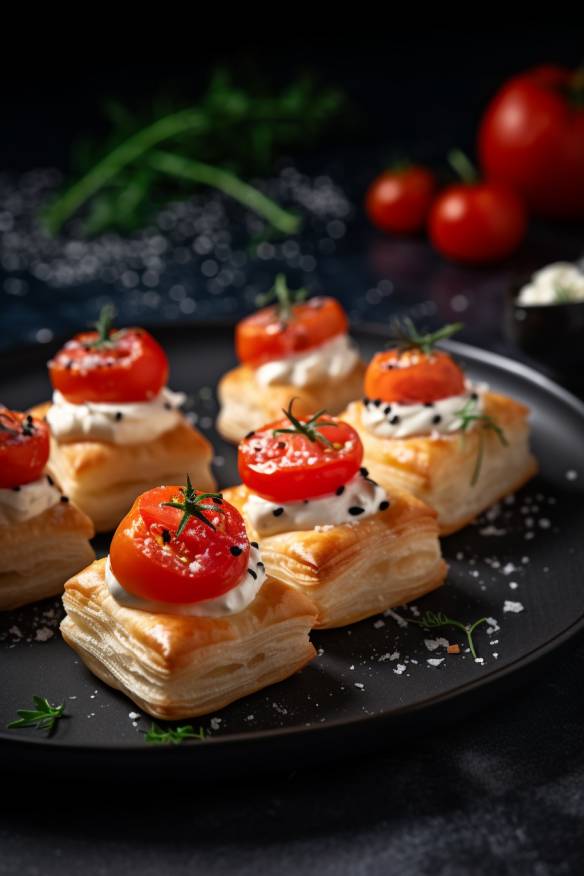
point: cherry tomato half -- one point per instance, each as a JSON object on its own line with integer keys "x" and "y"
{"x": 289, "y": 467}
{"x": 477, "y": 222}
{"x": 413, "y": 377}
{"x": 399, "y": 201}
{"x": 150, "y": 560}
{"x": 130, "y": 366}
{"x": 24, "y": 448}
{"x": 263, "y": 337}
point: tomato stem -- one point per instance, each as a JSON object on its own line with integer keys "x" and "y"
{"x": 463, "y": 166}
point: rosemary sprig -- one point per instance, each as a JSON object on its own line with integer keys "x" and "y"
{"x": 104, "y": 325}
{"x": 309, "y": 429}
{"x": 174, "y": 736}
{"x": 284, "y": 298}
{"x": 44, "y": 717}
{"x": 406, "y": 336}
{"x": 432, "y": 620}
{"x": 469, "y": 415}
{"x": 192, "y": 506}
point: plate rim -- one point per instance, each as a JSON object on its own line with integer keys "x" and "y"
{"x": 490, "y": 680}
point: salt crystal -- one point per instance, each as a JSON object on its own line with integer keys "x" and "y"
{"x": 571, "y": 475}
{"x": 508, "y": 569}
{"x": 513, "y": 585}
{"x": 215, "y": 723}
{"x": 513, "y": 607}
{"x": 435, "y": 661}
{"x": 433, "y": 644}
{"x": 359, "y": 685}
{"x": 397, "y": 618}
{"x": 401, "y": 667}
{"x": 378, "y": 624}
{"x": 43, "y": 633}
{"x": 544, "y": 523}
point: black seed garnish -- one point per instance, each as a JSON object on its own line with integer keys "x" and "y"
{"x": 474, "y": 396}
{"x": 254, "y": 544}
{"x": 364, "y": 471}
{"x": 387, "y": 410}
{"x": 16, "y": 489}
{"x": 165, "y": 536}
{"x": 394, "y": 420}
{"x": 50, "y": 481}
{"x": 437, "y": 419}
{"x": 235, "y": 550}
{"x": 365, "y": 401}
{"x": 355, "y": 510}
{"x": 281, "y": 445}
{"x": 428, "y": 404}
{"x": 252, "y": 573}
{"x": 64, "y": 498}
{"x": 383, "y": 506}
{"x": 305, "y": 501}
{"x": 68, "y": 364}
{"x": 260, "y": 565}
{"x": 377, "y": 402}
{"x": 168, "y": 406}
{"x": 340, "y": 490}
{"x": 277, "y": 511}
{"x": 249, "y": 435}
{"x": 29, "y": 419}
{"x": 119, "y": 416}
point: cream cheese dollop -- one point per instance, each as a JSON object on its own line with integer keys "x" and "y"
{"x": 360, "y": 497}
{"x": 558, "y": 283}
{"x": 431, "y": 418}
{"x": 29, "y": 500}
{"x": 332, "y": 360}
{"x": 233, "y": 601}
{"x": 115, "y": 422}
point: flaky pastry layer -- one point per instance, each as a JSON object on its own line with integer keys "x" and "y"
{"x": 179, "y": 667}
{"x": 357, "y": 569}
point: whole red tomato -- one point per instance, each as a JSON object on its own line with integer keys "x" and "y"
{"x": 476, "y": 221}
{"x": 532, "y": 138}
{"x": 399, "y": 200}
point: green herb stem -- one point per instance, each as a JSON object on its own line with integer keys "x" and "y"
{"x": 463, "y": 166}
{"x": 431, "y": 620}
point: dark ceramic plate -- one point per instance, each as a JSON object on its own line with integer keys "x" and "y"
{"x": 521, "y": 566}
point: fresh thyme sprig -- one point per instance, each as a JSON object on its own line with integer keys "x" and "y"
{"x": 44, "y": 717}
{"x": 406, "y": 336}
{"x": 431, "y": 620}
{"x": 284, "y": 298}
{"x": 192, "y": 506}
{"x": 308, "y": 429}
{"x": 173, "y": 735}
{"x": 104, "y": 325}
{"x": 469, "y": 415}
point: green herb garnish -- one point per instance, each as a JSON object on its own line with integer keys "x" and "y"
{"x": 104, "y": 325}
{"x": 192, "y": 506}
{"x": 284, "y": 297}
{"x": 432, "y": 620}
{"x": 406, "y": 336}
{"x": 174, "y": 736}
{"x": 469, "y": 415}
{"x": 309, "y": 429}
{"x": 44, "y": 717}
{"x": 563, "y": 295}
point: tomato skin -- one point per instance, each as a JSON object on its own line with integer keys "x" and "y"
{"x": 532, "y": 139}
{"x": 262, "y": 337}
{"x": 477, "y": 222}
{"x": 131, "y": 367}
{"x": 399, "y": 201}
{"x": 24, "y": 448}
{"x": 277, "y": 468}
{"x": 159, "y": 567}
{"x": 413, "y": 377}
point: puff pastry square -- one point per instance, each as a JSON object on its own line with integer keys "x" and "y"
{"x": 179, "y": 667}
{"x": 439, "y": 470}
{"x": 245, "y": 405}
{"x": 38, "y": 555}
{"x": 357, "y": 569}
{"x": 103, "y": 479}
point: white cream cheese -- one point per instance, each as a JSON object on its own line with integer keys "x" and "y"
{"x": 28, "y": 500}
{"x": 432, "y": 418}
{"x": 232, "y": 602}
{"x": 115, "y": 422}
{"x": 332, "y": 360}
{"x": 558, "y": 283}
{"x": 359, "y": 498}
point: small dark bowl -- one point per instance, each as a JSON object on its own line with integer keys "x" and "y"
{"x": 552, "y": 334}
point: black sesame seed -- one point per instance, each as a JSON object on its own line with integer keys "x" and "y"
{"x": 29, "y": 419}
{"x": 377, "y": 402}
{"x": 305, "y": 501}
{"x": 366, "y": 401}
{"x": 394, "y": 420}
{"x": 474, "y": 396}
{"x": 165, "y": 536}
{"x": 64, "y": 498}
{"x": 340, "y": 490}
{"x": 277, "y": 511}
{"x": 254, "y": 544}
{"x": 50, "y": 481}
{"x": 387, "y": 410}
{"x": 428, "y": 404}
{"x": 355, "y": 510}
{"x": 436, "y": 419}
{"x": 261, "y": 565}
{"x": 168, "y": 406}
{"x": 281, "y": 445}
{"x": 249, "y": 435}
{"x": 16, "y": 489}
{"x": 364, "y": 471}
{"x": 235, "y": 550}
{"x": 119, "y": 416}
{"x": 383, "y": 506}
{"x": 252, "y": 573}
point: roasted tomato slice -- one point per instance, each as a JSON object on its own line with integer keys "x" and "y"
{"x": 156, "y": 555}
{"x": 24, "y": 448}
{"x": 285, "y": 462}
{"x": 412, "y": 377}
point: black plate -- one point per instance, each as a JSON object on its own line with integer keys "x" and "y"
{"x": 355, "y": 695}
